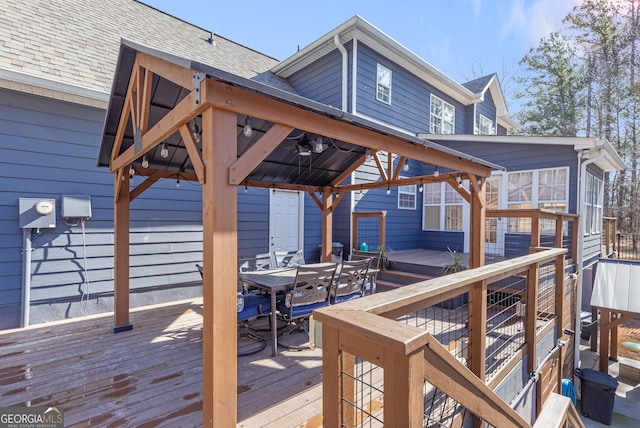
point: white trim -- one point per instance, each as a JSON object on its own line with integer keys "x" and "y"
{"x": 354, "y": 75}
{"x": 37, "y": 85}
{"x": 381, "y": 69}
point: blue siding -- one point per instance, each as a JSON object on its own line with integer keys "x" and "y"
{"x": 410, "y": 95}
{"x": 443, "y": 240}
{"x": 322, "y": 80}
{"x": 521, "y": 157}
{"x": 486, "y": 108}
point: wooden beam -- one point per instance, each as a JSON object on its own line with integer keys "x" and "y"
{"x": 126, "y": 112}
{"x": 255, "y": 154}
{"x": 477, "y": 348}
{"x": 478, "y": 224}
{"x": 148, "y": 182}
{"x": 247, "y": 102}
{"x": 348, "y": 172}
{"x": 177, "y": 74}
{"x": 194, "y": 154}
{"x": 327, "y": 224}
{"x": 315, "y": 199}
{"x": 383, "y": 173}
{"x": 220, "y": 240}
{"x": 182, "y": 113}
{"x": 121, "y": 254}
{"x": 281, "y": 186}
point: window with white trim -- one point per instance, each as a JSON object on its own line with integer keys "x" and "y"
{"x": 442, "y": 116}
{"x": 593, "y": 205}
{"x": 485, "y": 126}
{"x": 407, "y": 197}
{"x": 442, "y": 207}
{"x": 383, "y": 79}
{"x": 542, "y": 188}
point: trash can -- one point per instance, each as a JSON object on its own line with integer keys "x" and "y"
{"x": 336, "y": 252}
{"x": 598, "y": 394}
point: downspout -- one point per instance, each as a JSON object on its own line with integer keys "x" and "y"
{"x": 585, "y": 158}
{"x": 26, "y": 276}
{"x": 345, "y": 70}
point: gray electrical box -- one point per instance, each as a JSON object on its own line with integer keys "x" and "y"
{"x": 75, "y": 206}
{"x": 37, "y": 213}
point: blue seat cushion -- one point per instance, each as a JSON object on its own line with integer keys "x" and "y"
{"x": 338, "y": 299}
{"x": 254, "y": 305}
{"x": 300, "y": 311}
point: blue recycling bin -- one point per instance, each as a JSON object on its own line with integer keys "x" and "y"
{"x": 598, "y": 394}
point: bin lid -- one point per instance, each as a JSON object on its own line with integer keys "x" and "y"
{"x": 594, "y": 376}
{"x": 337, "y": 244}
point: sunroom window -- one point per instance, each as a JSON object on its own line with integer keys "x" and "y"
{"x": 442, "y": 207}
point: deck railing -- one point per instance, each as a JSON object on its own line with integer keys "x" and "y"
{"x": 434, "y": 350}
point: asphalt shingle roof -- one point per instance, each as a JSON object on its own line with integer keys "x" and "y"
{"x": 77, "y": 42}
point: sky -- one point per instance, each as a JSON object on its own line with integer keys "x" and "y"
{"x": 464, "y": 39}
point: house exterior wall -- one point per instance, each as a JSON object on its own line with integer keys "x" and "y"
{"x": 321, "y": 80}
{"x": 486, "y": 108}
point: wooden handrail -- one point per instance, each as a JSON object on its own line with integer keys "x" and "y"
{"x": 557, "y": 411}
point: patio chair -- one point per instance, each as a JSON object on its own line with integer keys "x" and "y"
{"x": 375, "y": 263}
{"x": 249, "y": 306}
{"x": 310, "y": 291}
{"x": 352, "y": 281}
{"x": 288, "y": 258}
{"x": 259, "y": 262}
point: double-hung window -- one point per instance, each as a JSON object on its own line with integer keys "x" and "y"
{"x": 383, "y": 78}
{"x": 407, "y": 197}
{"x": 593, "y": 204}
{"x": 485, "y": 126}
{"x": 442, "y": 207}
{"x": 442, "y": 116}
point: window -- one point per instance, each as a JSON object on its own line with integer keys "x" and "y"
{"x": 443, "y": 117}
{"x": 544, "y": 188}
{"x": 407, "y": 197}
{"x": 442, "y": 207}
{"x": 485, "y": 126}
{"x": 593, "y": 205}
{"x": 383, "y": 92}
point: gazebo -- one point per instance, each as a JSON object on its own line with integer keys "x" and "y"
{"x": 170, "y": 117}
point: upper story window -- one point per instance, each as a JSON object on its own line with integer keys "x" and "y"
{"x": 593, "y": 205}
{"x": 383, "y": 78}
{"x": 485, "y": 126}
{"x": 407, "y": 197}
{"x": 443, "y": 116}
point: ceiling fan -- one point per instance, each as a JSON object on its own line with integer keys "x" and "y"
{"x": 305, "y": 145}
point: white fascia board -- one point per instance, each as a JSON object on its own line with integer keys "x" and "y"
{"x": 29, "y": 83}
{"x": 386, "y": 46}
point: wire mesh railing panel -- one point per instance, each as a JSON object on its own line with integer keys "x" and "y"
{"x": 362, "y": 395}
{"x": 546, "y": 294}
{"x": 505, "y": 321}
{"x": 440, "y": 410}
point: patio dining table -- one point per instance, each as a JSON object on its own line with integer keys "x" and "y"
{"x": 278, "y": 280}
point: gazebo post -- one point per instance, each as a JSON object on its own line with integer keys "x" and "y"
{"x": 219, "y": 248}
{"x": 327, "y": 225}
{"x": 121, "y": 213}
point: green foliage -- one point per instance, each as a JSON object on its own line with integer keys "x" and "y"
{"x": 455, "y": 265}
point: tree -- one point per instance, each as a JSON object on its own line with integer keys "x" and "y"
{"x": 553, "y": 88}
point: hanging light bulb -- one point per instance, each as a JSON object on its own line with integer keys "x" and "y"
{"x": 318, "y": 145}
{"x": 459, "y": 179}
{"x": 145, "y": 162}
{"x": 368, "y": 156}
{"x": 164, "y": 152}
{"x": 132, "y": 171}
{"x": 405, "y": 167}
{"x": 178, "y": 182}
{"x": 436, "y": 173}
{"x": 248, "y": 130}
{"x": 388, "y": 190}
{"x": 195, "y": 130}
{"x": 246, "y": 189}
{"x": 420, "y": 188}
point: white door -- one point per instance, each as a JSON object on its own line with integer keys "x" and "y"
{"x": 494, "y": 227}
{"x": 285, "y": 225}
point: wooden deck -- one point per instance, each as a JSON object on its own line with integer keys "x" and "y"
{"x": 150, "y": 376}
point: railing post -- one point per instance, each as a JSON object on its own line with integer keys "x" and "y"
{"x": 331, "y": 394}
{"x": 477, "y": 350}
{"x": 403, "y": 389}
{"x": 530, "y": 325}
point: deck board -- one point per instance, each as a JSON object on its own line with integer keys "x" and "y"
{"x": 150, "y": 376}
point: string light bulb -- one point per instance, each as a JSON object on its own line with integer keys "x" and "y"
{"x": 318, "y": 145}
{"x": 388, "y": 190}
{"x": 195, "y": 130}
{"x": 420, "y": 188}
{"x": 178, "y": 182}
{"x": 247, "y": 130}
{"x": 145, "y": 162}
{"x": 405, "y": 167}
{"x": 132, "y": 171}
{"x": 164, "y": 152}
{"x": 368, "y": 155}
{"x": 436, "y": 173}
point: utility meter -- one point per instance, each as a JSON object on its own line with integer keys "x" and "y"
{"x": 37, "y": 213}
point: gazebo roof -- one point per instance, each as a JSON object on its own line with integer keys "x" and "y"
{"x": 285, "y": 164}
